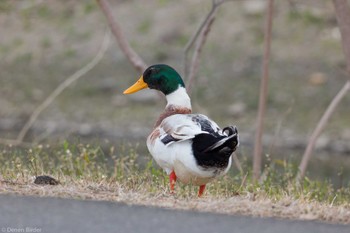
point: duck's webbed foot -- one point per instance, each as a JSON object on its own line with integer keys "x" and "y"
{"x": 201, "y": 190}
{"x": 172, "y": 178}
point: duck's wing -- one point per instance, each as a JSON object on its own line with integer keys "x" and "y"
{"x": 182, "y": 127}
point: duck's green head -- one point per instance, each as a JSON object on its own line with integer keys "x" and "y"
{"x": 160, "y": 77}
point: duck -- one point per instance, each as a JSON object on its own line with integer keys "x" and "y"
{"x": 189, "y": 147}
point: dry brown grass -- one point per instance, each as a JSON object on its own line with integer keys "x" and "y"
{"x": 249, "y": 204}
{"x": 90, "y": 173}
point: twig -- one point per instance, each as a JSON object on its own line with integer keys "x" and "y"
{"x": 343, "y": 18}
{"x": 263, "y": 93}
{"x": 279, "y": 127}
{"x": 320, "y": 126}
{"x": 198, "y": 38}
{"x": 243, "y": 182}
{"x": 237, "y": 163}
{"x": 124, "y": 45}
{"x": 63, "y": 86}
{"x": 194, "y": 37}
{"x": 196, "y": 55}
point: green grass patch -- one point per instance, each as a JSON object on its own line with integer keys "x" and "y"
{"x": 71, "y": 162}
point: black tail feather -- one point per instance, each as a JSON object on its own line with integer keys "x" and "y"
{"x": 229, "y": 142}
{"x": 215, "y": 150}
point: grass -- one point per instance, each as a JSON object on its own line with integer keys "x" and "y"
{"x": 116, "y": 174}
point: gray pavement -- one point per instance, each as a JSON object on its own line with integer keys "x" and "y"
{"x": 34, "y": 214}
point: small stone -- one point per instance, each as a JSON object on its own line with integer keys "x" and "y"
{"x": 46, "y": 180}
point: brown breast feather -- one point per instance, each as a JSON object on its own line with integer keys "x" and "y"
{"x": 169, "y": 111}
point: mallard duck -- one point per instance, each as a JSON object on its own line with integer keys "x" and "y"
{"x": 189, "y": 147}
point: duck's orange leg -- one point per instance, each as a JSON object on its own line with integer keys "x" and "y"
{"x": 172, "y": 178}
{"x": 201, "y": 190}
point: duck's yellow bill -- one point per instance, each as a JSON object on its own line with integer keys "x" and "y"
{"x": 139, "y": 85}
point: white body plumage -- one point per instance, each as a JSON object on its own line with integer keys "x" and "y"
{"x": 177, "y": 154}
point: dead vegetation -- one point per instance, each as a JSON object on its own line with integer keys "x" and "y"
{"x": 90, "y": 173}
{"x": 247, "y": 203}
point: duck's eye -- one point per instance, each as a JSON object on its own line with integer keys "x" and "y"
{"x": 147, "y": 73}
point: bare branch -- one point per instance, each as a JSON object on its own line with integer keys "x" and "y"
{"x": 343, "y": 18}
{"x": 124, "y": 45}
{"x": 199, "y": 29}
{"x": 320, "y": 126}
{"x": 196, "y": 55}
{"x": 263, "y": 92}
{"x": 199, "y": 38}
{"x": 194, "y": 37}
{"x": 62, "y": 87}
